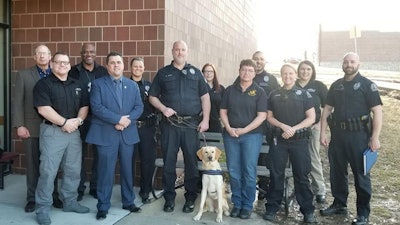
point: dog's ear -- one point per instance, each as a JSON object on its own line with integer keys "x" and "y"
{"x": 200, "y": 153}
{"x": 217, "y": 153}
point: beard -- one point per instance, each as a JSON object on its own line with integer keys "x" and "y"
{"x": 349, "y": 70}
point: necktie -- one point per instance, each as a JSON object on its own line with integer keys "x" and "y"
{"x": 118, "y": 91}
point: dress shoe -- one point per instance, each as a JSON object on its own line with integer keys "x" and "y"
{"x": 132, "y": 208}
{"x": 235, "y": 212}
{"x": 245, "y": 214}
{"x": 30, "y": 207}
{"x": 146, "y": 200}
{"x": 320, "y": 199}
{"x": 270, "y": 216}
{"x": 361, "y": 220}
{"x": 57, "y": 203}
{"x": 169, "y": 206}
{"x": 334, "y": 209}
{"x": 43, "y": 218}
{"x": 80, "y": 196}
{"x": 75, "y": 207}
{"x": 101, "y": 215}
{"x": 93, "y": 193}
{"x": 188, "y": 207}
{"x": 310, "y": 218}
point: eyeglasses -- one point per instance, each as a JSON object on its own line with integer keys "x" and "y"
{"x": 208, "y": 71}
{"x": 58, "y": 63}
{"x": 42, "y": 53}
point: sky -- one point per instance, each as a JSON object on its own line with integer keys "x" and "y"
{"x": 289, "y": 28}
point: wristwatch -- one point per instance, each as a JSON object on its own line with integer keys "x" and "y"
{"x": 80, "y": 121}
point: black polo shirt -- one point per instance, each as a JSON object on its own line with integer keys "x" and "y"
{"x": 318, "y": 91}
{"x": 65, "y": 97}
{"x": 144, "y": 87}
{"x": 79, "y": 72}
{"x": 353, "y": 99}
{"x": 243, "y": 106}
{"x": 289, "y": 106}
{"x": 180, "y": 89}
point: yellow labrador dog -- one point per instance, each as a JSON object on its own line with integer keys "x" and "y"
{"x": 213, "y": 193}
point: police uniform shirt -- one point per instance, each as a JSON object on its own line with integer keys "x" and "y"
{"x": 79, "y": 72}
{"x": 144, "y": 87}
{"x": 216, "y": 98}
{"x": 65, "y": 97}
{"x": 267, "y": 81}
{"x": 353, "y": 99}
{"x": 180, "y": 89}
{"x": 289, "y": 106}
{"x": 243, "y": 106}
{"x": 318, "y": 91}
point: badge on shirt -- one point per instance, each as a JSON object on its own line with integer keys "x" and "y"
{"x": 356, "y": 86}
{"x": 298, "y": 92}
{"x": 77, "y": 91}
{"x": 191, "y": 70}
{"x": 184, "y": 72}
{"x": 266, "y": 78}
{"x": 252, "y": 93}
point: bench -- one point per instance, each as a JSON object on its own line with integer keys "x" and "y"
{"x": 215, "y": 139}
{"x": 7, "y": 158}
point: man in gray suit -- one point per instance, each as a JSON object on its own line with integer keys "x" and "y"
{"x": 26, "y": 120}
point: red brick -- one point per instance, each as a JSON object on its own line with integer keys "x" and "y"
{"x": 109, "y": 34}
{"x": 122, "y": 4}
{"x": 56, "y": 7}
{"x": 69, "y": 34}
{"x": 129, "y": 48}
{"x": 157, "y": 16}
{"x": 143, "y": 48}
{"x": 161, "y": 4}
{"x": 32, "y": 35}
{"x": 32, "y": 6}
{"x": 102, "y": 49}
{"x": 143, "y": 17}
{"x": 82, "y": 5}
{"x": 44, "y": 6}
{"x": 95, "y": 34}
{"x": 26, "y": 50}
{"x": 150, "y": 63}
{"x": 18, "y": 35}
{"x": 157, "y": 47}
{"x": 94, "y": 5}
{"x": 56, "y": 34}
{"x": 116, "y": 46}
{"x": 69, "y": 5}
{"x": 150, "y": 4}
{"x": 129, "y": 18}
{"x": 75, "y": 19}
{"x": 16, "y": 21}
{"x": 136, "y": 33}
{"x": 102, "y": 19}
{"x": 62, "y": 47}
{"x": 44, "y": 35}
{"x": 150, "y": 33}
{"x": 50, "y": 20}
{"x": 26, "y": 20}
{"x": 137, "y": 4}
{"x": 19, "y": 63}
{"x": 75, "y": 49}
{"x": 63, "y": 20}
{"x": 122, "y": 33}
{"x": 160, "y": 32}
{"x": 161, "y": 62}
{"x": 89, "y": 19}
{"x": 19, "y": 7}
{"x": 38, "y": 20}
{"x": 115, "y": 18}
{"x": 15, "y": 48}
{"x": 108, "y": 5}
{"x": 82, "y": 34}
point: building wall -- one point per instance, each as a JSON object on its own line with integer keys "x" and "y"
{"x": 217, "y": 31}
{"x": 377, "y": 50}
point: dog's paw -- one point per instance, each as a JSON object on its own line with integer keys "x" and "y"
{"x": 197, "y": 217}
{"x": 218, "y": 219}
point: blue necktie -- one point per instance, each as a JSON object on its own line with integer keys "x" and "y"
{"x": 118, "y": 91}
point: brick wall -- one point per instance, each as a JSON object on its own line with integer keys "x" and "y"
{"x": 217, "y": 31}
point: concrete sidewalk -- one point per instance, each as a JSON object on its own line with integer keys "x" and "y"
{"x": 13, "y": 200}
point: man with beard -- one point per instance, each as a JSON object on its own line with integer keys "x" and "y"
{"x": 347, "y": 111}
{"x": 86, "y": 72}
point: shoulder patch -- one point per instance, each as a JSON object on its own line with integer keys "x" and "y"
{"x": 192, "y": 71}
{"x": 374, "y": 87}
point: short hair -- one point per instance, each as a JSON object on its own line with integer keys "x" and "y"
{"x": 216, "y": 84}
{"x": 309, "y": 63}
{"x": 39, "y": 45}
{"x": 289, "y": 66}
{"x": 59, "y": 53}
{"x": 136, "y": 59}
{"x": 248, "y": 62}
{"x": 113, "y": 53}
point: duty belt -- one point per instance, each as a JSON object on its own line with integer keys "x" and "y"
{"x": 351, "y": 124}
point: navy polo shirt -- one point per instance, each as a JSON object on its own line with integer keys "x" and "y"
{"x": 243, "y": 106}
{"x": 144, "y": 87}
{"x": 353, "y": 99}
{"x": 65, "y": 97}
{"x": 180, "y": 89}
{"x": 267, "y": 81}
{"x": 289, "y": 106}
{"x": 318, "y": 91}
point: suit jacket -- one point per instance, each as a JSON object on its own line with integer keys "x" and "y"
{"x": 107, "y": 112}
{"x": 23, "y": 111}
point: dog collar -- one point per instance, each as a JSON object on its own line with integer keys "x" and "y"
{"x": 212, "y": 172}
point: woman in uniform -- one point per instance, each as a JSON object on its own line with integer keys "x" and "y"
{"x": 290, "y": 112}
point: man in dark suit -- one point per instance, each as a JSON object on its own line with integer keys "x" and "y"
{"x": 116, "y": 105}
{"x": 26, "y": 120}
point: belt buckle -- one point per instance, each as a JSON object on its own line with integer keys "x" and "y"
{"x": 342, "y": 125}
{"x": 139, "y": 124}
{"x": 180, "y": 119}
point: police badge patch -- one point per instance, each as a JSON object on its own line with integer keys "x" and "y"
{"x": 298, "y": 92}
{"x": 356, "y": 86}
{"x": 266, "y": 78}
{"x": 374, "y": 87}
{"x": 191, "y": 70}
